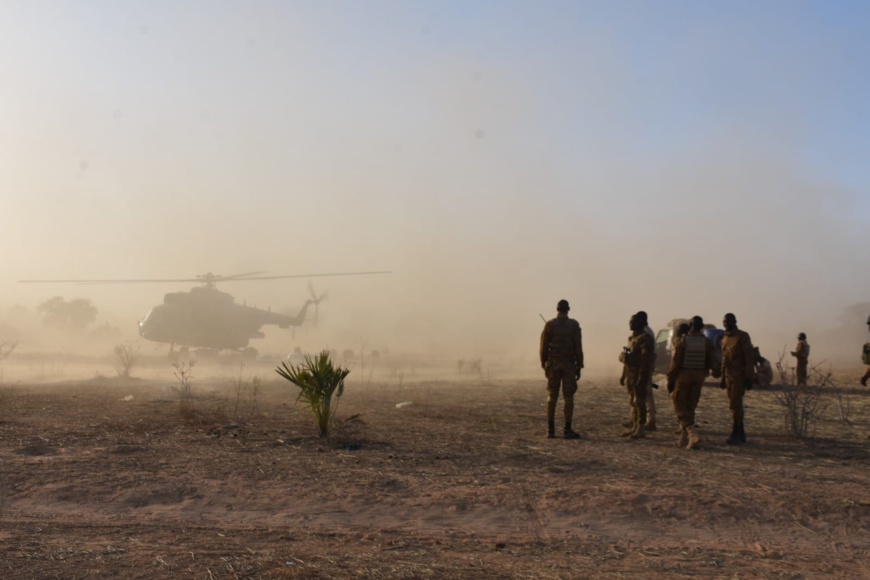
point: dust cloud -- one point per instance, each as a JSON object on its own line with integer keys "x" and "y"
{"x": 491, "y": 173}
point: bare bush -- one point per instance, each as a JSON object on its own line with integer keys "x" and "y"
{"x": 183, "y": 371}
{"x": 844, "y": 404}
{"x": 6, "y": 349}
{"x": 804, "y": 404}
{"x": 126, "y": 356}
{"x": 246, "y": 405}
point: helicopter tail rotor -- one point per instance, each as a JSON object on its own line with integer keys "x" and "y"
{"x": 316, "y": 300}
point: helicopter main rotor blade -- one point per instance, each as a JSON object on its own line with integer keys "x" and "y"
{"x": 144, "y": 281}
{"x": 238, "y": 276}
{"x": 200, "y": 279}
{"x": 309, "y": 276}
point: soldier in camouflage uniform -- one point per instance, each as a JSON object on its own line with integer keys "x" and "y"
{"x": 865, "y": 358}
{"x": 650, "y": 387}
{"x": 637, "y": 358}
{"x": 802, "y": 353}
{"x": 562, "y": 360}
{"x": 692, "y": 360}
{"x": 738, "y": 367}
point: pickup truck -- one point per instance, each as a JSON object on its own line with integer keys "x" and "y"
{"x": 665, "y": 343}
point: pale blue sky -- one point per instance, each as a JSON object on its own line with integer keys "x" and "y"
{"x": 528, "y": 150}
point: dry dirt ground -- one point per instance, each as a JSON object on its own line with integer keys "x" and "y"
{"x": 114, "y": 478}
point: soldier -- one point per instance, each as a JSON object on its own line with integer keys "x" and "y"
{"x": 691, "y": 362}
{"x": 650, "y": 396}
{"x": 802, "y": 353}
{"x": 682, "y": 330}
{"x": 562, "y": 360}
{"x": 865, "y": 358}
{"x": 637, "y": 358}
{"x": 738, "y": 364}
{"x": 763, "y": 370}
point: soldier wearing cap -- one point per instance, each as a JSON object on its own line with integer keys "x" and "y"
{"x": 692, "y": 360}
{"x": 638, "y": 358}
{"x": 802, "y": 353}
{"x": 738, "y": 367}
{"x": 865, "y": 358}
{"x": 562, "y": 360}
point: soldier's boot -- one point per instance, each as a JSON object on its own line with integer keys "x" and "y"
{"x": 551, "y": 429}
{"x": 684, "y": 438}
{"x": 694, "y": 438}
{"x": 569, "y": 433}
{"x": 630, "y": 424}
{"x": 639, "y": 428}
{"x": 741, "y": 433}
{"x": 651, "y": 423}
{"x": 638, "y": 432}
{"x": 734, "y": 438}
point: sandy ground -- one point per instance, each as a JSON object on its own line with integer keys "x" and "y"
{"x": 111, "y": 478}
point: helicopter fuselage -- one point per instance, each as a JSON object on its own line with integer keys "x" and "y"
{"x": 208, "y": 318}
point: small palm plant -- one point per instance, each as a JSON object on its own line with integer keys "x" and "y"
{"x": 318, "y": 381}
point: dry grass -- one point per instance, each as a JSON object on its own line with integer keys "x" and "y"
{"x": 460, "y": 483}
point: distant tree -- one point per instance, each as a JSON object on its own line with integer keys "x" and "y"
{"x": 126, "y": 356}
{"x": 6, "y": 349}
{"x": 72, "y": 317}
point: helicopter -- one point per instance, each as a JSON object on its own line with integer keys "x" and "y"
{"x": 209, "y": 319}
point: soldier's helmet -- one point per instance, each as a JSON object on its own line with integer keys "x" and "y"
{"x": 802, "y": 336}
{"x": 562, "y": 306}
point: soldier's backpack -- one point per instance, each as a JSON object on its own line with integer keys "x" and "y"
{"x": 865, "y": 356}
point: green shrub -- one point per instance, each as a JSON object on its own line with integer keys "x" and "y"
{"x": 320, "y": 386}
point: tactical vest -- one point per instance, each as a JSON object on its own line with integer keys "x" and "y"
{"x": 865, "y": 356}
{"x": 562, "y": 333}
{"x": 696, "y": 353}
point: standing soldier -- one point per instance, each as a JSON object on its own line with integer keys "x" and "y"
{"x": 738, "y": 365}
{"x": 637, "y": 358}
{"x": 562, "y": 360}
{"x": 865, "y": 358}
{"x": 650, "y": 394}
{"x": 691, "y": 362}
{"x": 802, "y": 353}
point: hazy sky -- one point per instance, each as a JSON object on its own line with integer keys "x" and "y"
{"x": 678, "y": 157}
